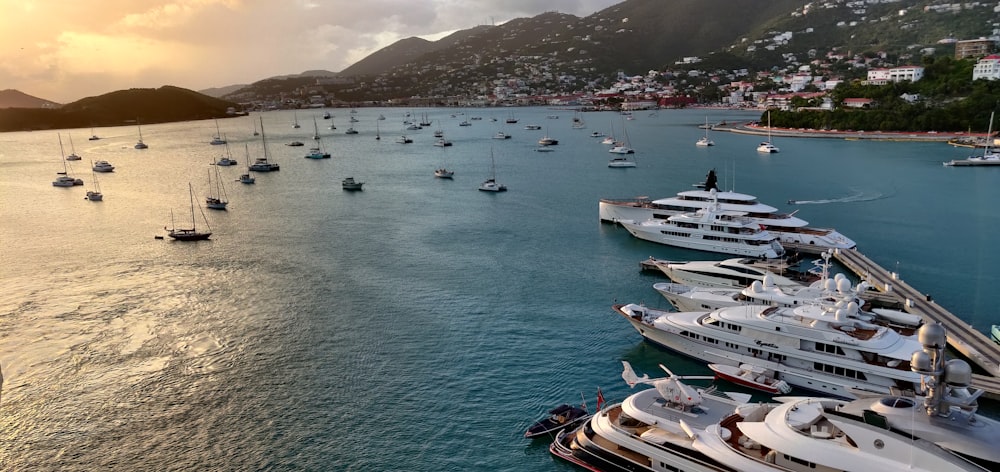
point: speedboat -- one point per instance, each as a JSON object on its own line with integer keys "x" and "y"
{"x": 103, "y": 166}
{"x": 751, "y": 376}
{"x": 680, "y": 427}
{"x": 444, "y": 173}
{"x": 560, "y": 417}
{"x": 788, "y": 228}
{"x": 351, "y": 184}
{"x": 710, "y": 229}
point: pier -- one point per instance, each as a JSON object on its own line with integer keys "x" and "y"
{"x": 962, "y": 337}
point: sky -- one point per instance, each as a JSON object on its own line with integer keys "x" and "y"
{"x": 65, "y": 50}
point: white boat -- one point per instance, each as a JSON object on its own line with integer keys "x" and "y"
{"x": 501, "y": 135}
{"x": 767, "y": 146}
{"x": 226, "y": 160}
{"x": 217, "y": 199}
{"x": 788, "y": 227}
{"x": 217, "y": 139}
{"x": 441, "y": 142}
{"x": 751, "y": 376}
{"x": 317, "y": 152}
{"x": 72, "y": 156}
{"x": 490, "y": 184}
{"x": 832, "y": 351}
{"x": 443, "y": 173}
{"x": 532, "y": 127}
{"x": 675, "y": 427}
{"x": 596, "y": 134}
{"x": 192, "y": 233}
{"x": 64, "y": 179}
{"x": 263, "y": 163}
{"x": 351, "y": 184}
{"x": 995, "y": 333}
{"x": 710, "y": 229}
{"x": 403, "y": 139}
{"x": 621, "y": 162}
{"x": 735, "y": 273}
{"x": 103, "y": 166}
{"x": 547, "y": 141}
{"x": 95, "y": 195}
{"x": 704, "y": 141}
{"x": 987, "y": 159}
{"x": 139, "y": 144}
{"x": 623, "y": 146}
{"x": 247, "y": 177}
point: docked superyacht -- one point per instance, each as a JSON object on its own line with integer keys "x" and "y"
{"x": 710, "y": 229}
{"x": 787, "y": 227}
{"x": 834, "y": 350}
{"x": 735, "y": 273}
{"x": 674, "y": 427}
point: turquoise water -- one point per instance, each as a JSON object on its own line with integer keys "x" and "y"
{"x": 417, "y": 325}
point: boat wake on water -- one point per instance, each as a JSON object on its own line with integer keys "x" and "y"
{"x": 853, "y": 198}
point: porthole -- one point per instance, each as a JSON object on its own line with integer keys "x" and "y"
{"x": 879, "y": 444}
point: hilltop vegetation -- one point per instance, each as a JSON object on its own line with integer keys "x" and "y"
{"x": 124, "y": 106}
{"x": 944, "y": 100}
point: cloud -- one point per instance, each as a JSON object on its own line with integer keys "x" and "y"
{"x": 64, "y": 51}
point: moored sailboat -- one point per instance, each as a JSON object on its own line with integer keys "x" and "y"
{"x": 192, "y": 233}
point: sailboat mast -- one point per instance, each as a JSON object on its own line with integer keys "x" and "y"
{"x": 989, "y": 135}
{"x": 191, "y": 195}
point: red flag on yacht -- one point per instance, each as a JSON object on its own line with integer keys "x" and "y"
{"x": 600, "y": 398}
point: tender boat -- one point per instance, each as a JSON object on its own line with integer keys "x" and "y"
{"x": 103, "y": 166}
{"x": 710, "y": 229}
{"x": 788, "y": 228}
{"x": 351, "y": 184}
{"x": 751, "y": 376}
{"x": 560, "y": 417}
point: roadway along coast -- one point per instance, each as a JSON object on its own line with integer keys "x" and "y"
{"x": 757, "y": 130}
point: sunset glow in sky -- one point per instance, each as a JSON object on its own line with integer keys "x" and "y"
{"x": 65, "y": 50}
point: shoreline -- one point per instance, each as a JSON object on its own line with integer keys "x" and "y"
{"x": 928, "y": 136}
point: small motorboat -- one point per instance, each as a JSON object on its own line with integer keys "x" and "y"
{"x": 560, "y": 417}
{"x": 752, "y": 376}
{"x": 995, "y": 333}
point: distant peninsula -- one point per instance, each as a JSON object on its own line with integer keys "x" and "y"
{"x": 164, "y": 104}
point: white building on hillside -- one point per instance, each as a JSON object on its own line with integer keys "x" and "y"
{"x": 987, "y": 68}
{"x": 896, "y": 74}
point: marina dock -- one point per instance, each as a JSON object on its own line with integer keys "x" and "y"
{"x": 974, "y": 345}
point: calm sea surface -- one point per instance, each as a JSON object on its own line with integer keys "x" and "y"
{"x": 417, "y": 325}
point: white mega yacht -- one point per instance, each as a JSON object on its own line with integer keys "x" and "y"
{"x": 710, "y": 229}
{"x": 735, "y": 273}
{"x": 676, "y": 427}
{"x": 787, "y": 227}
{"x": 831, "y": 350}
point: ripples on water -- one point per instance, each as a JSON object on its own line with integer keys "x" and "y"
{"x": 417, "y": 325}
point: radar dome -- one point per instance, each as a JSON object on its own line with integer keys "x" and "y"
{"x": 933, "y": 335}
{"x": 852, "y": 307}
{"x": 957, "y": 373}
{"x": 843, "y": 285}
{"x": 768, "y": 281}
{"x": 756, "y": 286}
{"x": 829, "y": 284}
{"x": 920, "y": 362}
